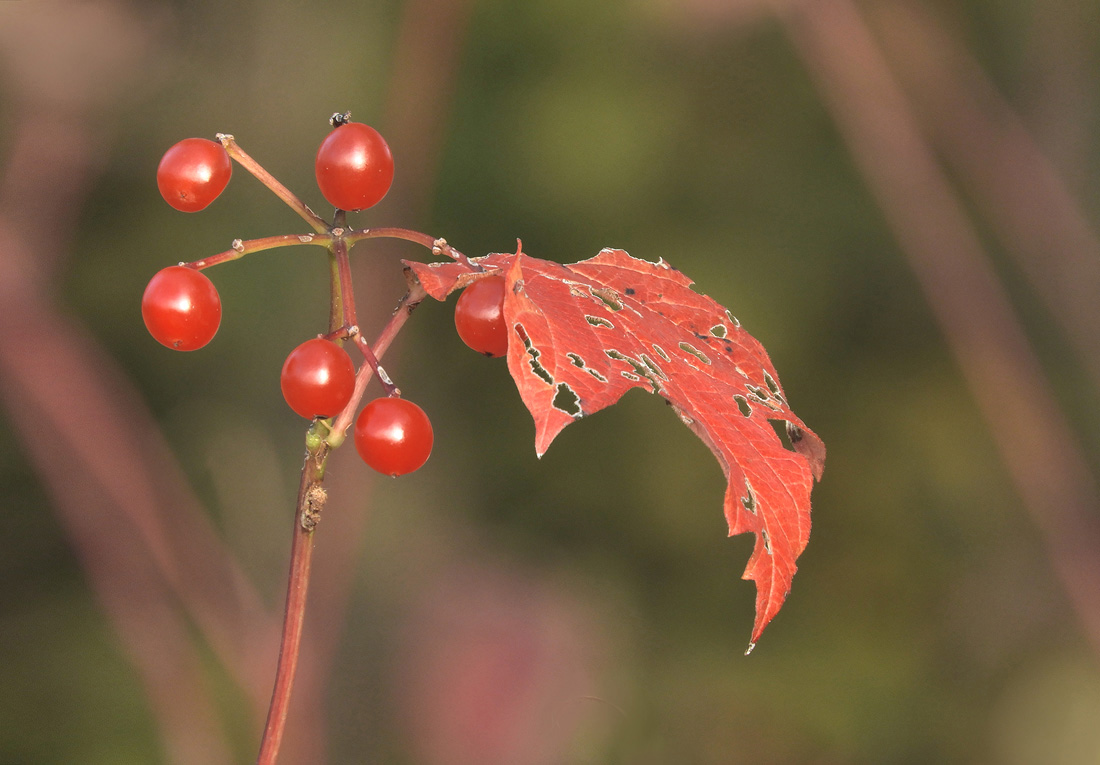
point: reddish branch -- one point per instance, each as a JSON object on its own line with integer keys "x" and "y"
{"x": 1036, "y": 441}
{"x": 311, "y": 501}
{"x": 267, "y": 179}
{"x": 132, "y": 524}
{"x": 1013, "y": 183}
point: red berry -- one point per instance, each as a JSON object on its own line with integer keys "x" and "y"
{"x": 393, "y": 436}
{"x": 479, "y": 317}
{"x": 193, "y": 173}
{"x": 354, "y": 167}
{"x": 181, "y": 308}
{"x": 318, "y": 378}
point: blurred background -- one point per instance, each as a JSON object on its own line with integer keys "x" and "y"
{"x": 899, "y": 198}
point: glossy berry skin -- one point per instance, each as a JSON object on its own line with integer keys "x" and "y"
{"x": 181, "y": 308}
{"x": 354, "y": 167}
{"x": 193, "y": 173}
{"x": 393, "y": 436}
{"x": 318, "y": 378}
{"x": 479, "y": 317}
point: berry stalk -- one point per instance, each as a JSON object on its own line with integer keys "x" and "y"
{"x": 437, "y": 245}
{"x": 400, "y": 315}
{"x": 244, "y": 247}
{"x": 346, "y": 296}
{"x": 282, "y": 192}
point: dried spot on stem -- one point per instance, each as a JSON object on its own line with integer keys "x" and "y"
{"x": 314, "y": 504}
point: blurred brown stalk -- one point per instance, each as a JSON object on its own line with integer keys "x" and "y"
{"x": 1026, "y": 203}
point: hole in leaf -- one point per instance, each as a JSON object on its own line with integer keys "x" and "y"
{"x": 640, "y": 369}
{"x": 608, "y": 297}
{"x": 749, "y": 500}
{"x": 661, "y": 352}
{"x": 534, "y": 353}
{"x": 575, "y": 289}
{"x": 773, "y": 386}
{"x": 597, "y": 375}
{"x": 761, "y": 396}
{"x": 577, "y": 360}
{"x": 567, "y": 401}
{"x": 718, "y": 330}
{"x": 629, "y": 376}
{"x": 743, "y": 405}
{"x": 689, "y": 348}
{"x": 653, "y": 368}
{"x": 767, "y": 541}
{"x": 596, "y": 321}
{"x": 782, "y": 430}
{"x": 733, "y": 319}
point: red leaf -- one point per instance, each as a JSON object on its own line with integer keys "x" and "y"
{"x": 584, "y": 334}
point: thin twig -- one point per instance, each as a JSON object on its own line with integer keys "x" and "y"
{"x": 350, "y": 317}
{"x": 401, "y": 314}
{"x": 436, "y": 245}
{"x": 244, "y": 247}
{"x": 292, "y": 201}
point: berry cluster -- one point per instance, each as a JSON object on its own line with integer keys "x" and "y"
{"x": 354, "y": 170}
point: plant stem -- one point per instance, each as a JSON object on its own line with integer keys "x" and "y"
{"x": 438, "y": 246}
{"x": 400, "y": 315}
{"x": 311, "y": 494}
{"x": 311, "y": 500}
{"x": 343, "y": 277}
{"x": 336, "y": 321}
{"x": 350, "y": 318}
{"x": 282, "y": 192}
{"x": 241, "y": 248}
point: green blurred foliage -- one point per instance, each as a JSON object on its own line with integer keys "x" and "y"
{"x": 924, "y": 625}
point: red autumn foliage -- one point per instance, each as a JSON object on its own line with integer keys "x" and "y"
{"x": 581, "y": 335}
